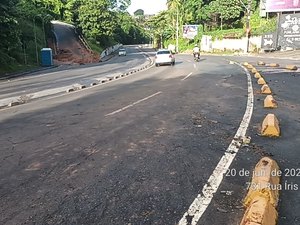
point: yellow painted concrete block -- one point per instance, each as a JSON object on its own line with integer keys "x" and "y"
{"x": 257, "y": 75}
{"x": 265, "y": 182}
{"x": 274, "y": 65}
{"x": 260, "y": 212}
{"x": 261, "y": 63}
{"x": 270, "y": 102}
{"x": 270, "y": 126}
{"x": 249, "y": 66}
{"x": 245, "y": 63}
{"x": 263, "y": 194}
{"x": 265, "y": 89}
{"x": 261, "y": 81}
{"x": 291, "y": 67}
{"x": 254, "y": 70}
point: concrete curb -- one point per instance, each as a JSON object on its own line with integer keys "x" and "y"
{"x": 263, "y": 195}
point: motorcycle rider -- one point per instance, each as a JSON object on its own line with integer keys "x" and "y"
{"x": 196, "y": 50}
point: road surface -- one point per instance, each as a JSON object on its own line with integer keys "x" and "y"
{"x": 140, "y": 149}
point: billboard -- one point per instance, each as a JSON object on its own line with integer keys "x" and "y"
{"x": 282, "y": 5}
{"x": 190, "y": 31}
{"x": 289, "y": 31}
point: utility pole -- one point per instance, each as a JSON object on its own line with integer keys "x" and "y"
{"x": 177, "y": 29}
{"x": 248, "y": 14}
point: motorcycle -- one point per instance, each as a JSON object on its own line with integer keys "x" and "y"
{"x": 197, "y": 57}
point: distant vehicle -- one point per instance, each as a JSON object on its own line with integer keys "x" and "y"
{"x": 164, "y": 56}
{"x": 122, "y": 51}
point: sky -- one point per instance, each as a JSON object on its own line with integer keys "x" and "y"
{"x": 149, "y": 6}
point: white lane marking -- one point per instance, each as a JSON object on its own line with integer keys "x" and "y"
{"x": 187, "y": 76}
{"x": 133, "y": 104}
{"x": 194, "y": 66}
{"x": 202, "y": 201}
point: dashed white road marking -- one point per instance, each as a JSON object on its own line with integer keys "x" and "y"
{"x": 194, "y": 65}
{"x": 187, "y": 76}
{"x": 133, "y": 104}
{"x": 202, "y": 201}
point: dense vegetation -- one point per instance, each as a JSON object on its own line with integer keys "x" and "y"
{"x": 25, "y": 24}
{"x": 218, "y": 18}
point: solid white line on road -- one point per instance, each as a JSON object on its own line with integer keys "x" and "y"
{"x": 133, "y": 104}
{"x": 202, "y": 201}
{"x": 187, "y": 76}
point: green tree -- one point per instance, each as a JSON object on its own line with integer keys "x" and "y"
{"x": 9, "y": 35}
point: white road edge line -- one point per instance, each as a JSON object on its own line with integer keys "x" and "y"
{"x": 133, "y": 104}
{"x": 202, "y": 201}
{"x": 187, "y": 76}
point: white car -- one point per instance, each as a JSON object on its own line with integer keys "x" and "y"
{"x": 122, "y": 51}
{"x": 164, "y": 56}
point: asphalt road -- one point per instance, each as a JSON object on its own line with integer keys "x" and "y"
{"x": 139, "y": 150}
{"x": 68, "y": 75}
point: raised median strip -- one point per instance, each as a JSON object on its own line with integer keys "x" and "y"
{"x": 263, "y": 194}
{"x": 270, "y": 126}
{"x": 17, "y": 100}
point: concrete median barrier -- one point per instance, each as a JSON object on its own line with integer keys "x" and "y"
{"x": 263, "y": 194}
{"x": 245, "y": 64}
{"x": 261, "y": 81}
{"x": 270, "y": 102}
{"x": 257, "y": 75}
{"x": 291, "y": 67}
{"x": 261, "y": 63}
{"x": 270, "y": 126}
{"x": 265, "y": 89}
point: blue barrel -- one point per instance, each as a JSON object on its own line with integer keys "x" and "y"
{"x": 46, "y": 57}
